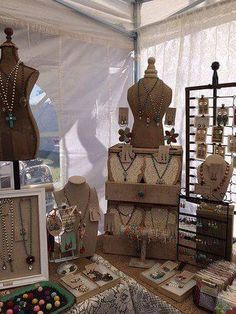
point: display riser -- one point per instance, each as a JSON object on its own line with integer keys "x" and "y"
{"x": 120, "y": 245}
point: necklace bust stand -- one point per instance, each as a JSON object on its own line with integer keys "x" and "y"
{"x": 19, "y": 136}
{"x": 149, "y": 135}
{"x": 215, "y": 174}
{"x": 78, "y": 192}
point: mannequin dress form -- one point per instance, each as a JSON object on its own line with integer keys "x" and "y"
{"x": 78, "y": 192}
{"x": 19, "y": 136}
{"x": 147, "y": 130}
{"x": 216, "y": 173}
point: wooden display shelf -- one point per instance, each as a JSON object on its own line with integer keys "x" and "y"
{"x": 143, "y": 193}
{"x": 174, "y": 150}
{"x": 114, "y": 244}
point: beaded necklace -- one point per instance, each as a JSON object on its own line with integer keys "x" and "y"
{"x": 130, "y": 215}
{"x": 8, "y": 107}
{"x": 7, "y": 240}
{"x": 221, "y": 184}
{"x": 155, "y": 104}
{"x": 125, "y": 170}
{"x": 160, "y": 177}
{"x": 30, "y": 259}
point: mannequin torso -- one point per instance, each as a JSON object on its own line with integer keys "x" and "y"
{"x": 20, "y": 140}
{"x": 147, "y": 131}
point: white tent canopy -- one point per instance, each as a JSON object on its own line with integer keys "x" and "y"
{"x": 84, "y": 52}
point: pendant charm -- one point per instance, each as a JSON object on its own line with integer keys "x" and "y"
{"x": 11, "y": 120}
{"x": 4, "y": 266}
{"x": 30, "y": 261}
{"x": 10, "y": 260}
{"x": 160, "y": 181}
{"x": 68, "y": 242}
{"x": 125, "y": 176}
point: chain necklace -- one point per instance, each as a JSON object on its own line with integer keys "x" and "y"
{"x": 125, "y": 215}
{"x": 125, "y": 170}
{"x": 160, "y": 177}
{"x": 30, "y": 259}
{"x": 4, "y": 91}
{"x": 155, "y": 104}
{"x": 7, "y": 240}
{"x": 221, "y": 184}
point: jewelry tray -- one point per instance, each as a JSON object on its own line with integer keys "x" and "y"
{"x": 94, "y": 287}
{"x": 68, "y": 296}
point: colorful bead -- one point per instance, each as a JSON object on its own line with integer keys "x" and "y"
{"x": 9, "y": 311}
{"x": 48, "y": 298}
{"x": 40, "y": 312}
{"x": 1, "y": 304}
{"x": 34, "y": 301}
{"x": 53, "y": 294}
{"x": 18, "y": 300}
{"x": 47, "y": 292}
{"x": 56, "y": 298}
{"x": 16, "y": 308}
{"x": 57, "y": 303}
{"x": 30, "y": 295}
{"x": 41, "y": 302}
{"x": 36, "y": 308}
{"x": 40, "y": 289}
{"x": 10, "y": 304}
{"x": 25, "y": 296}
{"x": 48, "y": 306}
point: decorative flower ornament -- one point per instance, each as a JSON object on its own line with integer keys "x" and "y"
{"x": 171, "y": 136}
{"x": 125, "y": 135}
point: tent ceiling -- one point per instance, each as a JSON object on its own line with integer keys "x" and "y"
{"x": 119, "y": 13}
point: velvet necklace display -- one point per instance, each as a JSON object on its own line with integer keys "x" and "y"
{"x": 82, "y": 224}
{"x": 213, "y": 177}
{"x": 8, "y": 107}
{"x": 155, "y": 106}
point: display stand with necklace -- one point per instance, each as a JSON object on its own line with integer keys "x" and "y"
{"x": 120, "y": 171}
{"x": 78, "y": 193}
{"x": 19, "y": 133}
{"x": 214, "y": 175}
{"x": 149, "y": 100}
{"x": 162, "y": 173}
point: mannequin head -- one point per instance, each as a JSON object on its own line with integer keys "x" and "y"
{"x": 9, "y": 52}
{"x": 151, "y": 71}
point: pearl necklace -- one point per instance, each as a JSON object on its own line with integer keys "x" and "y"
{"x": 7, "y": 240}
{"x": 4, "y": 90}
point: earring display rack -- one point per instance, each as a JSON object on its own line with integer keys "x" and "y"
{"x": 217, "y": 95}
{"x": 199, "y": 240}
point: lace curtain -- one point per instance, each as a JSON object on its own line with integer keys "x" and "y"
{"x": 185, "y": 48}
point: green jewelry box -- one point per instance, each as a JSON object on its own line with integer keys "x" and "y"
{"x": 70, "y": 299}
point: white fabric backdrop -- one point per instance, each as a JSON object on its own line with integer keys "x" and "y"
{"x": 86, "y": 79}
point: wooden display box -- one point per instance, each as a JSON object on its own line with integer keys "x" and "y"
{"x": 120, "y": 245}
{"x": 143, "y": 193}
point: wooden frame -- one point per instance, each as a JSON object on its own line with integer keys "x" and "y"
{"x": 43, "y": 253}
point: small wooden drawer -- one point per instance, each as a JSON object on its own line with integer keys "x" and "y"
{"x": 143, "y": 193}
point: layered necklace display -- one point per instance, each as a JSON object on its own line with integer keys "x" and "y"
{"x": 125, "y": 170}
{"x": 214, "y": 178}
{"x": 82, "y": 224}
{"x": 150, "y": 105}
{"x": 30, "y": 259}
{"x": 5, "y": 93}
{"x": 7, "y": 237}
{"x": 160, "y": 176}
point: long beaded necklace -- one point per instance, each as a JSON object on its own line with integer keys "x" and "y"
{"x": 4, "y": 91}
{"x": 155, "y": 105}
{"x": 82, "y": 224}
{"x": 160, "y": 177}
{"x": 7, "y": 240}
{"x": 221, "y": 184}
{"x": 30, "y": 259}
{"x": 130, "y": 215}
{"x": 125, "y": 170}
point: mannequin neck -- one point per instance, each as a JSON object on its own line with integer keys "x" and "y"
{"x": 75, "y": 188}
{"x": 9, "y": 55}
